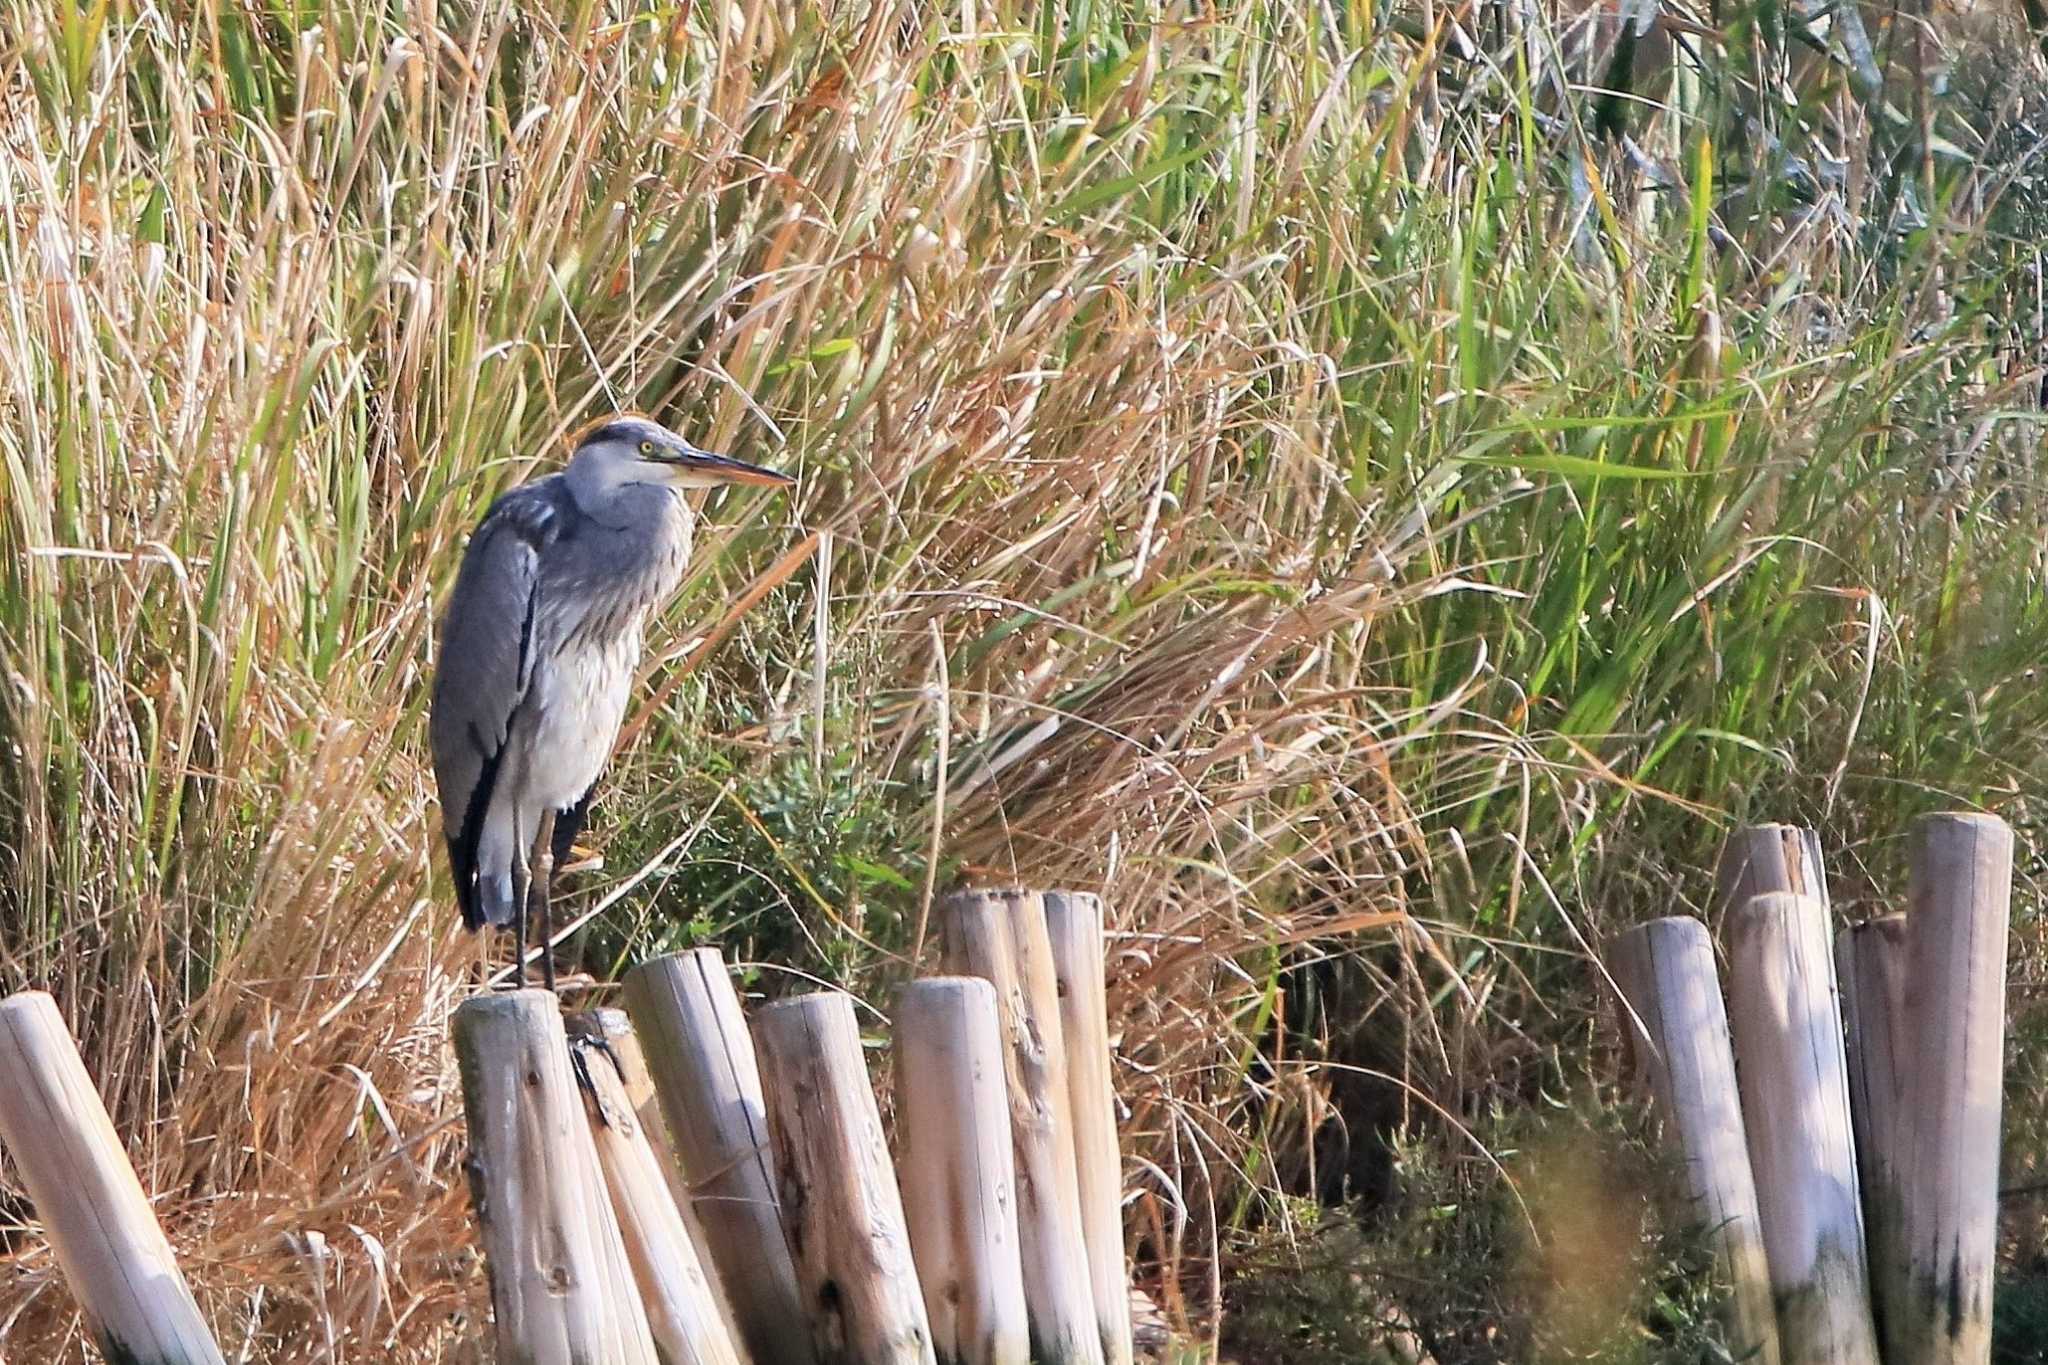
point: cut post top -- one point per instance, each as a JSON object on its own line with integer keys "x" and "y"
{"x": 492, "y": 1004}
{"x": 1764, "y": 858}
{"x": 1018, "y": 892}
{"x": 812, "y": 1007}
{"x": 931, "y": 991}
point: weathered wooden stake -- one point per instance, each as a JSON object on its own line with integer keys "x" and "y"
{"x": 560, "y": 1283}
{"x": 1762, "y": 858}
{"x": 114, "y": 1256}
{"x": 840, "y": 1205}
{"x": 1955, "y": 1027}
{"x": 1001, "y": 936}
{"x": 697, "y": 1045}
{"x": 1681, "y": 1055}
{"x": 614, "y": 1027}
{"x": 684, "y": 1313}
{"x": 958, "y": 1173}
{"x": 1073, "y": 921}
{"x": 1870, "y": 964}
{"x": 1795, "y": 1100}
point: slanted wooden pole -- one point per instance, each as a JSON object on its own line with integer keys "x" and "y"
{"x": 1001, "y": 936}
{"x": 684, "y": 1313}
{"x": 840, "y": 1204}
{"x": 1795, "y": 1103}
{"x": 696, "y": 1042}
{"x": 1955, "y": 1027}
{"x": 1678, "y": 1040}
{"x": 114, "y": 1256}
{"x": 1761, "y": 858}
{"x": 958, "y": 1173}
{"x": 1870, "y": 965}
{"x": 1073, "y": 922}
{"x": 560, "y": 1282}
{"x": 614, "y": 1028}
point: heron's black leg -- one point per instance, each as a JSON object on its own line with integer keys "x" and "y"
{"x": 520, "y": 879}
{"x": 543, "y": 892}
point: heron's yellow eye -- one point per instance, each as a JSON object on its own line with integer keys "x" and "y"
{"x": 647, "y": 447}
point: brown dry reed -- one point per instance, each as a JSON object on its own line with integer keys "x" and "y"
{"x": 1242, "y": 478}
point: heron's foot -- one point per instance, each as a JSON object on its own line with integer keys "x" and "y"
{"x": 503, "y": 969}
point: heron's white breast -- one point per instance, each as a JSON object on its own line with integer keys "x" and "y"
{"x": 580, "y": 704}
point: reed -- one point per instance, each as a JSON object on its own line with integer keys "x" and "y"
{"x": 1268, "y": 479}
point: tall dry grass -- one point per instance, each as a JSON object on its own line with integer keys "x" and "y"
{"x": 1317, "y": 500}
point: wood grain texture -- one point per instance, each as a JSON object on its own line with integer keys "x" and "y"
{"x": 1001, "y": 937}
{"x": 696, "y": 1042}
{"x": 1073, "y": 922}
{"x": 1955, "y": 1022}
{"x": 561, "y": 1287}
{"x": 1870, "y": 965}
{"x": 1763, "y": 858}
{"x": 92, "y": 1208}
{"x": 1682, "y": 1058}
{"x": 614, "y": 1028}
{"x": 1795, "y": 1101}
{"x": 840, "y": 1205}
{"x": 684, "y": 1313}
{"x": 958, "y": 1171}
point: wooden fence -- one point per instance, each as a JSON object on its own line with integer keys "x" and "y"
{"x": 674, "y": 1183}
{"x": 1839, "y": 1118}
{"x": 759, "y": 1216}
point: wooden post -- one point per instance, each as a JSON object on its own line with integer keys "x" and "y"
{"x": 113, "y": 1254}
{"x": 1795, "y": 1100}
{"x": 614, "y": 1028}
{"x": 560, "y": 1283}
{"x": 684, "y": 1314}
{"x": 1955, "y": 1027}
{"x": 1073, "y": 922}
{"x": 696, "y": 1042}
{"x": 1762, "y": 858}
{"x": 1001, "y": 936}
{"x": 954, "y": 1157}
{"x": 840, "y": 1205}
{"x": 1678, "y": 1039}
{"x": 1870, "y": 964}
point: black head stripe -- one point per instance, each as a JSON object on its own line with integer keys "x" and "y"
{"x": 624, "y": 429}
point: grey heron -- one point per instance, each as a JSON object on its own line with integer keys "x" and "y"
{"x": 538, "y": 649}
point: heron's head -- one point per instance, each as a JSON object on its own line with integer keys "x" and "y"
{"x": 637, "y": 450}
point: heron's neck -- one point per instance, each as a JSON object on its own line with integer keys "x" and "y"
{"x": 646, "y": 532}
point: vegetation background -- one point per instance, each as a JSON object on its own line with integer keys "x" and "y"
{"x": 1377, "y": 490}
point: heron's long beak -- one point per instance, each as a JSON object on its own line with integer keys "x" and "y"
{"x": 725, "y": 469}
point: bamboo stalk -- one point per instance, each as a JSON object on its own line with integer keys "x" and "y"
{"x": 697, "y": 1045}
{"x": 841, "y": 1208}
{"x": 93, "y": 1209}
{"x": 1870, "y": 963}
{"x": 1001, "y": 936}
{"x": 1955, "y": 1027}
{"x": 1678, "y": 1036}
{"x": 1073, "y": 921}
{"x": 959, "y": 1194}
{"x": 560, "y": 1282}
{"x": 684, "y": 1314}
{"x": 1795, "y": 1098}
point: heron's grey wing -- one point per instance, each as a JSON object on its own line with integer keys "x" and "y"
{"x": 486, "y": 666}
